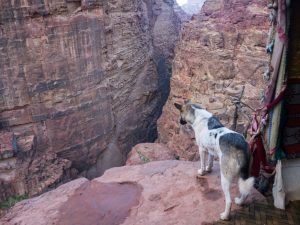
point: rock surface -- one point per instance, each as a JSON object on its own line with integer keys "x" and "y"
{"x": 21, "y": 173}
{"x": 165, "y": 192}
{"x": 148, "y": 152}
{"x": 86, "y": 78}
{"x": 220, "y": 58}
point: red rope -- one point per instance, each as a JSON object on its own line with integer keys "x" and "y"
{"x": 281, "y": 34}
{"x": 276, "y": 100}
{"x": 256, "y": 143}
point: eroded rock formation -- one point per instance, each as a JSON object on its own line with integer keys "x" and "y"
{"x": 220, "y": 58}
{"x": 85, "y": 79}
{"x": 165, "y": 192}
{"x": 21, "y": 172}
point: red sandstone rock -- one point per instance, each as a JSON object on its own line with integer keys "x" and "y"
{"x": 83, "y": 78}
{"x": 148, "y": 152}
{"x": 27, "y": 143}
{"x": 220, "y": 56}
{"x": 21, "y": 173}
{"x": 7, "y": 148}
{"x": 165, "y": 192}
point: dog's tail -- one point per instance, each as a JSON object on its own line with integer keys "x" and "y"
{"x": 245, "y": 185}
{"x": 245, "y": 182}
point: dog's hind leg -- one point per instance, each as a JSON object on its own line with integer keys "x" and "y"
{"x": 245, "y": 186}
{"x": 201, "y": 171}
{"x": 210, "y": 162}
{"x": 226, "y": 189}
{"x": 240, "y": 200}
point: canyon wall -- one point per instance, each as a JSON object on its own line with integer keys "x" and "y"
{"x": 81, "y": 82}
{"x": 219, "y": 59}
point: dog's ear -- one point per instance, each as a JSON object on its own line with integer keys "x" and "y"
{"x": 178, "y": 106}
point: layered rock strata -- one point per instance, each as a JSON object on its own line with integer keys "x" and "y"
{"x": 86, "y": 79}
{"x": 219, "y": 63}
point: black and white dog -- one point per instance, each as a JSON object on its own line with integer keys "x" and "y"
{"x": 216, "y": 140}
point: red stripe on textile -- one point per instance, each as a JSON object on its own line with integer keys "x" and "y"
{"x": 293, "y": 81}
{"x": 293, "y": 109}
{"x": 293, "y": 123}
{"x": 290, "y": 149}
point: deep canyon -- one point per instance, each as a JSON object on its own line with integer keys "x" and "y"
{"x": 83, "y": 81}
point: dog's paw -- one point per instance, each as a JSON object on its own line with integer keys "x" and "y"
{"x": 238, "y": 201}
{"x": 224, "y": 216}
{"x": 208, "y": 169}
{"x": 201, "y": 172}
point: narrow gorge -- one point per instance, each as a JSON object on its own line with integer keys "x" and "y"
{"x": 81, "y": 83}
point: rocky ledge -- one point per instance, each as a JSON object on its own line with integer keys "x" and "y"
{"x": 164, "y": 192}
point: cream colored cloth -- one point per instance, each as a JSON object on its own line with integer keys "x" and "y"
{"x": 287, "y": 182}
{"x": 278, "y": 188}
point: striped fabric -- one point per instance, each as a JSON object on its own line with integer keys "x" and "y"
{"x": 291, "y": 140}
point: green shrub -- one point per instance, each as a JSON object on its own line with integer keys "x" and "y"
{"x": 143, "y": 158}
{"x": 11, "y": 201}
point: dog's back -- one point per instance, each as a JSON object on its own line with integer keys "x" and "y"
{"x": 235, "y": 156}
{"x": 230, "y": 146}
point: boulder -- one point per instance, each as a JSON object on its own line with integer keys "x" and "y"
{"x": 164, "y": 192}
{"x": 147, "y": 152}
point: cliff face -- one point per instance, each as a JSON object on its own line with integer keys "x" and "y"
{"x": 220, "y": 56}
{"x": 81, "y": 82}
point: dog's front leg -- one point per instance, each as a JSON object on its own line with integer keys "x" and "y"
{"x": 202, "y": 153}
{"x": 210, "y": 162}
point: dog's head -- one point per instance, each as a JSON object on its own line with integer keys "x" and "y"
{"x": 187, "y": 112}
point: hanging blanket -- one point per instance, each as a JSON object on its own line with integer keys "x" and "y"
{"x": 291, "y": 139}
{"x": 273, "y": 130}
